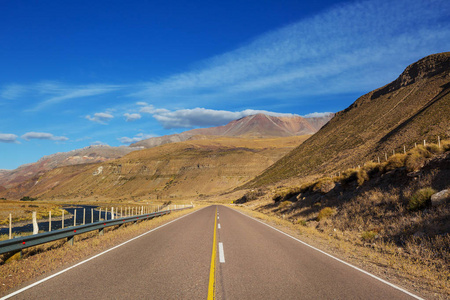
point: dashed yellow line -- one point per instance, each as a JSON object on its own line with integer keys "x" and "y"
{"x": 212, "y": 269}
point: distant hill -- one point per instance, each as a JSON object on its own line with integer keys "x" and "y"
{"x": 91, "y": 154}
{"x": 254, "y": 126}
{"x": 186, "y": 170}
{"x": 413, "y": 108}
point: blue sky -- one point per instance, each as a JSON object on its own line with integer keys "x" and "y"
{"x": 78, "y": 73}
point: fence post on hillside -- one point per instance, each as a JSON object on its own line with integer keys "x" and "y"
{"x": 10, "y": 226}
{"x": 62, "y": 220}
{"x": 49, "y": 221}
{"x": 378, "y": 159}
{"x": 424, "y": 143}
{"x": 404, "y": 149}
{"x": 393, "y": 152}
{"x": 415, "y": 145}
{"x": 35, "y": 224}
{"x": 439, "y": 141}
{"x": 385, "y": 155}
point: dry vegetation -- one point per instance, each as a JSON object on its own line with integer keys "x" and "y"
{"x": 54, "y": 256}
{"x": 22, "y": 210}
{"x": 383, "y": 208}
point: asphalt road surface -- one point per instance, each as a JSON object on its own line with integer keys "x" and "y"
{"x": 253, "y": 261}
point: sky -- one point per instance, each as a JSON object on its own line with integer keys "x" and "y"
{"x": 81, "y": 73}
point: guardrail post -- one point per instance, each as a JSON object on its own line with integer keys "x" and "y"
{"x": 49, "y": 221}
{"x": 70, "y": 240}
{"x": 121, "y": 211}
{"x": 10, "y": 226}
{"x": 84, "y": 216}
{"x": 112, "y": 213}
{"x": 35, "y": 224}
{"x": 75, "y": 217}
{"x": 62, "y": 220}
{"x": 106, "y": 214}
{"x": 92, "y": 215}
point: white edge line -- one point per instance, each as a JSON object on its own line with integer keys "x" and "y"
{"x": 335, "y": 258}
{"x": 91, "y": 258}
{"x": 218, "y": 226}
{"x": 221, "y": 253}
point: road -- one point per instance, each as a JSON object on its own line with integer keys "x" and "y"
{"x": 253, "y": 261}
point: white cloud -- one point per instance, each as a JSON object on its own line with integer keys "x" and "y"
{"x": 101, "y": 117}
{"x": 13, "y": 91}
{"x": 8, "y": 138}
{"x": 317, "y": 114}
{"x": 131, "y": 117}
{"x": 202, "y": 117}
{"x": 136, "y": 138}
{"x": 99, "y": 143}
{"x": 43, "y": 136}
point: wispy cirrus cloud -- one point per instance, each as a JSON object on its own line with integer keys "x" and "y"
{"x": 8, "y": 138}
{"x": 102, "y": 117}
{"x": 350, "y": 48}
{"x": 49, "y": 93}
{"x": 43, "y": 136}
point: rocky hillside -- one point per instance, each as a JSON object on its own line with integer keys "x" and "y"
{"x": 91, "y": 154}
{"x": 413, "y": 108}
{"x": 190, "y": 169}
{"x": 255, "y": 126}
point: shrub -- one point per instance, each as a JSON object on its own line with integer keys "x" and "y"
{"x": 395, "y": 161}
{"x": 250, "y": 196}
{"x": 369, "y": 236}
{"x": 27, "y": 198}
{"x": 414, "y": 161}
{"x": 421, "y": 199}
{"x": 301, "y": 222}
{"x": 323, "y": 185}
{"x": 433, "y": 148}
{"x": 325, "y": 213}
{"x": 284, "y": 204}
{"x": 285, "y": 195}
{"x": 445, "y": 145}
{"x": 372, "y": 168}
{"x": 349, "y": 175}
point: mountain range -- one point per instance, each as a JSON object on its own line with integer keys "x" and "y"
{"x": 208, "y": 162}
{"x": 413, "y": 108}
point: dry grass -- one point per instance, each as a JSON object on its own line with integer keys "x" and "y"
{"x": 53, "y": 256}
{"x": 22, "y": 210}
{"x": 412, "y": 266}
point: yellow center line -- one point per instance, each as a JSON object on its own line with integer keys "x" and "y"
{"x": 213, "y": 263}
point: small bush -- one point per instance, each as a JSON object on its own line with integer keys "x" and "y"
{"x": 325, "y": 213}
{"x": 250, "y": 196}
{"x": 445, "y": 145}
{"x": 369, "y": 236}
{"x": 284, "y": 204}
{"x": 421, "y": 199}
{"x": 362, "y": 176}
{"x": 285, "y": 195}
{"x": 349, "y": 176}
{"x": 27, "y": 198}
{"x": 323, "y": 185}
{"x": 301, "y": 222}
{"x": 372, "y": 168}
{"x": 433, "y": 148}
{"x": 395, "y": 161}
{"x": 414, "y": 161}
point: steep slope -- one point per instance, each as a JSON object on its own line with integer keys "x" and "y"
{"x": 254, "y": 126}
{"x": 204, "y": 166}
{"x": 413, "y": 108}
{"x": 91, "y": 154}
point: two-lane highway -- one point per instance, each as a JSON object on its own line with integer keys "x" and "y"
{"x": 177, "y": 261}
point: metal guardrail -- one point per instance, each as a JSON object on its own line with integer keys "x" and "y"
{"x": 19, "y": 243}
